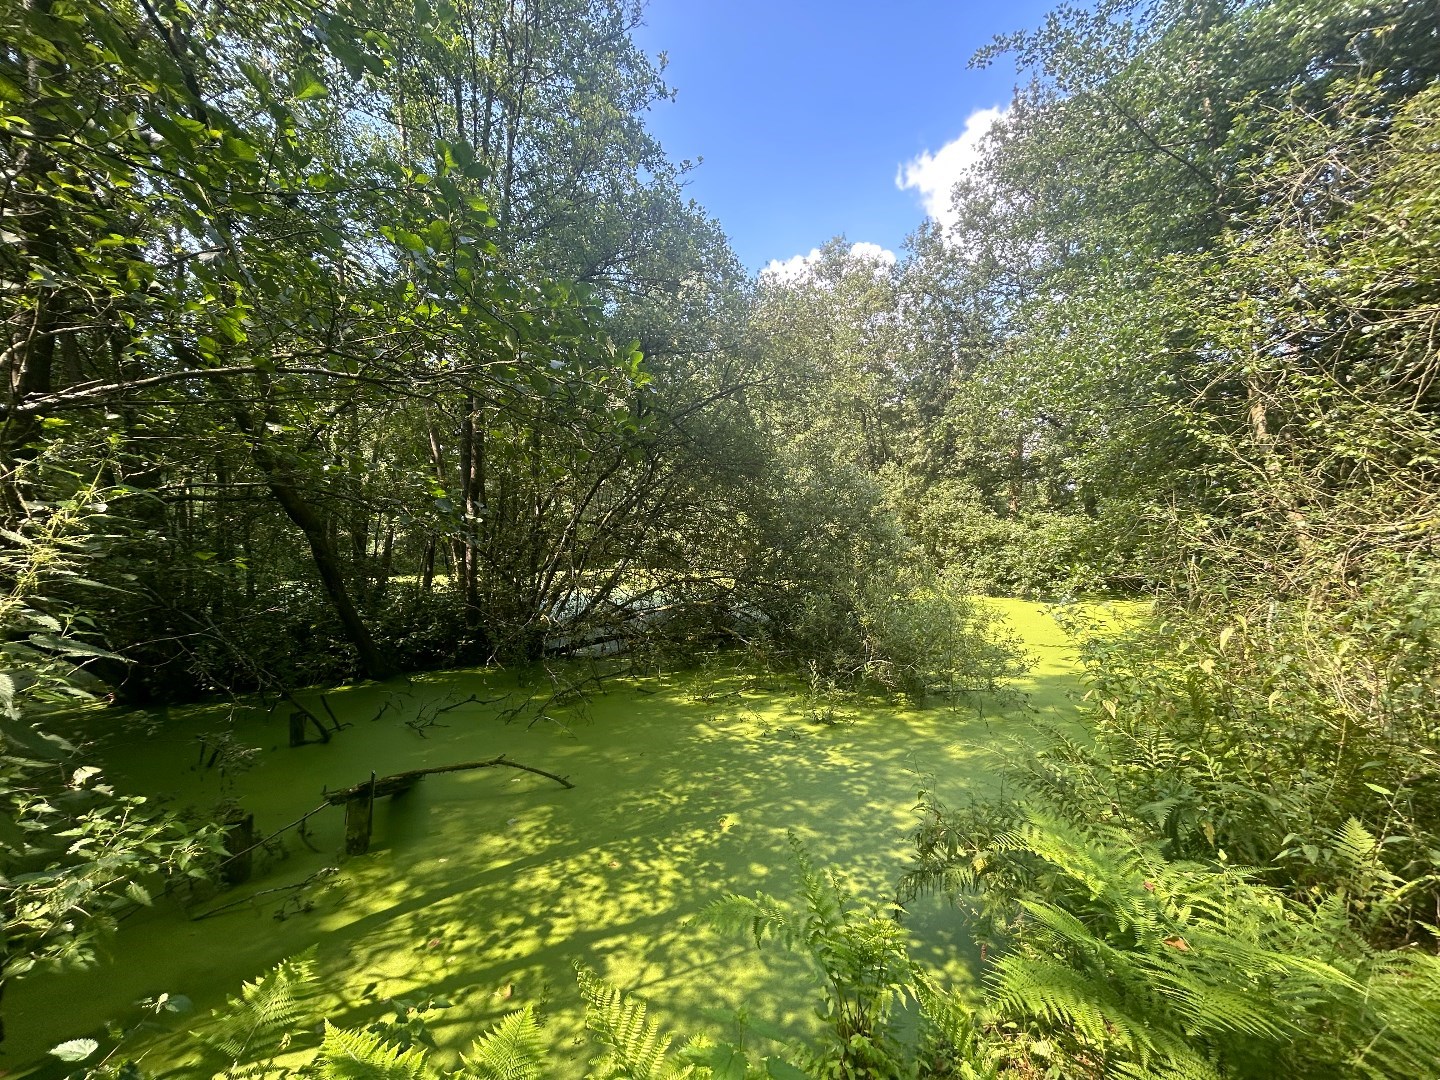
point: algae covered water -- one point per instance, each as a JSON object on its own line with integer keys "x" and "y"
{"x": 482, "y": 889}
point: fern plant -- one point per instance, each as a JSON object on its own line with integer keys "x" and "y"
{"x": 1119, "y": 961}
{"x": 862, "y": 957}
{"x": 364, "y": 1055}
{"x": 952, "y": 1044}
{"x": 514, "y": 1049}
{"x": 270, "y": 1016}
{"x": 635, "y": 1048}
{"x": 277, "y": 1015}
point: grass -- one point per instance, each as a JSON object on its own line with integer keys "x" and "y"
{"x": 482, "y": 887}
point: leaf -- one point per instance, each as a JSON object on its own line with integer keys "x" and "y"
{"x": 69, "y": 647}
{"x": 75, "y": 1049}
{"x": 257, "y": 78}
{"x": 12, "y": 837}
{"x": 726, "y": 1062}
{"x": 719, "y": 1060}
{"x": 780, "y": 1069}
{"x": 40, "y": 744}
{"x": 513, "y": 1049}
{"x": 308, "y": 87}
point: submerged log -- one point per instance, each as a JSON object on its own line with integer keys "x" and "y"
{"x": 400, "y": 782}
{"x": 359, "y": 812}
{"x": 298, "y": 721}
{"x": 239, "y": 847}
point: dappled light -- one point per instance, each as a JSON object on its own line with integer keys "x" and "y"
{"x": 481, "y": 888}
{"x": 447, "y": 602}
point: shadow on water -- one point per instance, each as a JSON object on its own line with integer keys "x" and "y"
{"x": 484, "y": 887}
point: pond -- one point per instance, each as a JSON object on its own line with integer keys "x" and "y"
{"x": 483, "y": 888}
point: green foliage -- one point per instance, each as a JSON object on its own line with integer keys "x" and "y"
{"x": 277, "y": 1015}
{"x": 842, "y": 599}
{"x": 1040, "y": 553}
{"x": 513, "y": 1049}
{"x": 242, "y": 1037}
{"x": 1230, "y": 343}
{"x": 869, "y": 980}
{"x": 300, "y": 286}
{"x": 926, "y": 633}
{"x": 635, "y": 1047}
{"x": 328, "y": 328}
{"x": 952, "y": 1043}
{"x": 74, "y": 852}
{"x": 1208, "y": 739}
{"x": 860, "y": 953}
{"x": 1114, "y": 952}
{"x": 364, "y": 1055}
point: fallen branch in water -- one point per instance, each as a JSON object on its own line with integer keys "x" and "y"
{"x": 300, "y": 821}
{"x": 472, "y": 698}
{"x": 398, "y": 782}
{"x": 319, "y": 875}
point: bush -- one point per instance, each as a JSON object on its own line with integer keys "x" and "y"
{"x": 1035, "y": 554}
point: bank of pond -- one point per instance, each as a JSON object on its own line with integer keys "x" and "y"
{"x": 480, "y": 888}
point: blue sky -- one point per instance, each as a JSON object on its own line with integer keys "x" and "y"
{"x": 806, "y": 111}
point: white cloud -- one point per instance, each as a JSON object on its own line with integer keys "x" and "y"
{"x": 800, "y": 267}
{"x": 935, "y": 175}
{"x": 795, "y": 268}
{"x": 865, "y": 251}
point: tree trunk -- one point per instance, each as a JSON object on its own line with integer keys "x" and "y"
{"x": 279, "y": 478}
{"x": 327, "y": 562}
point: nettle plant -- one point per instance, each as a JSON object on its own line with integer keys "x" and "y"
{"x": 74, "y": 852}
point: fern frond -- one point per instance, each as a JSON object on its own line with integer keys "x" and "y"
{"x": 264, "y": 1019}
{"x": 1403, "y": 996}
{"x": 1355, "y": 846}
{"x": 950, "y": 1034}
{"x": 636, "y": 1047}
{"x": 512, "y": 1050}
{"x": 1059, "y": 995}
{"x": 364, "y": 1055}
{"x": 1183, "y": 1065}
{"x": 761, "y": 916}
{"x": 825, "y": 900}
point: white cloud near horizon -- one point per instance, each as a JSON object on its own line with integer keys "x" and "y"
{"x": 934, "y": 176}
{"x": 800, "y": 267}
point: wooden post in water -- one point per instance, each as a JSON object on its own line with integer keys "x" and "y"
{"x": 239, "y": 845}
{"x": 358, "y": 813}
{"x": 297, "y": 728}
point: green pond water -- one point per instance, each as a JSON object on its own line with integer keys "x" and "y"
{"x": 484, "y": 887}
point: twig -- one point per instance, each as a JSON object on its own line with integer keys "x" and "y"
{"x": 261, "y": 843}
{"x": 323, "y": 872}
